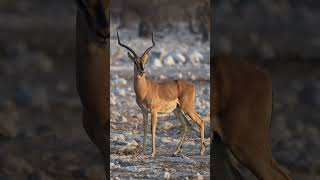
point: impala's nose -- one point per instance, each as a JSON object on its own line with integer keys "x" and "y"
{"x": 141, "y": 73}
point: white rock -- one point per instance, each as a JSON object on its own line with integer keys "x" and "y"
{"x": 166, "y": 175}
{"x": 156, "y": 62}
{"x": 168, "y": 60}
{"x": 115, "y": 178}
{"x": 115, "y": 113}
{"x": 122, "y": 119}
{"x": 199, "y": 176}
{"x": 121, "y": 82}
{"x": 113, "y": 100}
{"x": 133, "y": 143}
{"x": 117, "y": 137}
{"x": 114, "y": 166}
{"x": 166, "y": 125}
{"x": 178, "y": 57}
{"x": 165, "y": 140}
{"x": 162, "y": 76}
{"x": 121, "y": 92}
{"x": 195, "y": 57}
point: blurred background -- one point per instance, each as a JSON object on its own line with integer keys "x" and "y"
{"x": 283, "y": 37}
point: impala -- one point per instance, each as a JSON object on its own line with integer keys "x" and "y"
{"x": 92, "y": 75}
{"x": 241, "y": 118}
{"x": 154, "y": 97}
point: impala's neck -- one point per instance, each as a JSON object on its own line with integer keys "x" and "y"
{"x": 140, "y": 84}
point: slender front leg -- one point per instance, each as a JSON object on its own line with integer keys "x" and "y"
{"x": 183, "y": 120}
{"x": 145, "y": 126}
{"x": 154, "y": 126}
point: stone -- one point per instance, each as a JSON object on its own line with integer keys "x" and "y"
{"x": 199, "y": 177}
{"x": 195, "y": 57}
{"x": 113, "y": 100}
{"x": 166, "y": 125}
{"x": 133, "y": 143}
{"x": 166, "y": 175}
{"x": 121, "y": 92}
{"x": 155, "y": 59}
{"x": 122, "y": 119}
{"x": 168, "y": 60}
{"x": 121, "y": 82}
{"x": 166, "y": 140}
{"x": 178, "y": 57}
{"x": 117, "y": 137}
{"x": 156, "y": 62}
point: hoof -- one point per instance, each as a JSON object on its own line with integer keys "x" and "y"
{"x": 202, "y": 152}
{"x": 175, "y": 154}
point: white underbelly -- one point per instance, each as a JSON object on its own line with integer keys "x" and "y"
{"x": 168, "y": 107}
{"x": 163, "y": 107}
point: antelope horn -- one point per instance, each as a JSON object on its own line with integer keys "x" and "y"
{"x": 149, "y": 48}
{"x": 135, "y": 55}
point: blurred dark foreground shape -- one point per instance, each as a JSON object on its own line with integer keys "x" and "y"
{"x": 281, "y": 37}
{"x": 241, "y": 95}
{"x": 92, "y": 72}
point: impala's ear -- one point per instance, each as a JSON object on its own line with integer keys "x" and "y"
{"x": 145, "y": 57}
{"x": 130, "y": 56}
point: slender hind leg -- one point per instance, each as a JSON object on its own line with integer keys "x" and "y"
{"x": 195, "y": 117}
{"x": 145, "y": 127}
{"x": 180, "y": 116}
{"x": 154, "y": 126}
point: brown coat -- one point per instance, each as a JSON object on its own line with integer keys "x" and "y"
{"x": 241, "y": 115}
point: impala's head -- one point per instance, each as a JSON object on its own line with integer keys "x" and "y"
{"x": 139, "y": 62}
{"x": 96, "y": 14}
